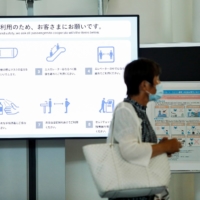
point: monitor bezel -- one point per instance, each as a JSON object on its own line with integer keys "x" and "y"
{"x": 70, "y": 16}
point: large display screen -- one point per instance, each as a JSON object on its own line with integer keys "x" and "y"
{"x": 63, "y": 76}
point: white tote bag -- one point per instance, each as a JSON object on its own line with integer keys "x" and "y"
{"x": 116, "y": 178}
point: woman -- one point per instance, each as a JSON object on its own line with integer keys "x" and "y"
{"x": 143, "y": 85}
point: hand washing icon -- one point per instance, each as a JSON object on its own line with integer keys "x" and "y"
{"x": 8, "y": 107}
{"x": 55, "y": 52}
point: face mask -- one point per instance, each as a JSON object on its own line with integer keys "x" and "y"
{"x": 158, "y": 94}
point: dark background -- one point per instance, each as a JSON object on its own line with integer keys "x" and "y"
{"x": 177, "y": 63}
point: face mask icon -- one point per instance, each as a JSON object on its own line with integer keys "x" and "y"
{"x": 8, "y": 53}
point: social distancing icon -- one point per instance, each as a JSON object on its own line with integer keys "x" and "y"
{"x": 106, "y": 54}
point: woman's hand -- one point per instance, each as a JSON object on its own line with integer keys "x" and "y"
{"x": 171, "y": 145}
{"x": 166, "y": 145}
{"x": 165, "y": 139}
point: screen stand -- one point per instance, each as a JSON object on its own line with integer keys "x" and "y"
{"x": 29, "y": 5}
{"x": 100, "y": 7}
{"x": 31, "y": 142}
{"x": 32, "y": 169}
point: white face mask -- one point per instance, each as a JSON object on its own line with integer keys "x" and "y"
{"x": 158, "y": 94}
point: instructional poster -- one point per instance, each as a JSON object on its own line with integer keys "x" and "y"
{"x": 63, "y": 76}
{"x": 177, "y": 115}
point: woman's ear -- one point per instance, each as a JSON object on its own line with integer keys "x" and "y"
{"x": 144, "y": 85}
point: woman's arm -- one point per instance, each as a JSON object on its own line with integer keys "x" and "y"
{"x": 127, "y": 132}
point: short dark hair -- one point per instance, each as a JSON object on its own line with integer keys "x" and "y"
{"x": 138, "y": 71}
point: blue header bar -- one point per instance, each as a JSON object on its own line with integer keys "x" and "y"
{"x": 181, "y": 92}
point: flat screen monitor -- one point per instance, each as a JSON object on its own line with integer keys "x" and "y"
{"x": 62, "y": 76}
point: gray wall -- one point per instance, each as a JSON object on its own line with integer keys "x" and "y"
{"x": 66, "y": 7}
{"x": 160, "y": 21}
{"x": 50, "y": 157}
{"x": 62, "y": 172}
{"x": 13, "y": 170}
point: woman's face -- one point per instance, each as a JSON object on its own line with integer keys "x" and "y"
{"x": 152, "y": 88}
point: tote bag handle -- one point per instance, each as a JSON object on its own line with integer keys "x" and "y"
{"x": 135, "y": 116}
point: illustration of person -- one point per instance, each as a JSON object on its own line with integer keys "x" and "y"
{"x": 102, "y": 105}
{"x": 44, "y": 107}
{"x": 159, "y": 113}
{"x": 57, "y": 47}
{"x": 1, "y": 109}
{"x": 167, "y": 133}
{"x": 164, "y": 113}
{"x": 50, "y": 105}
{"x": 189, "y": 112}
{"x": 193, "y": 130}
{"x": 100, "y": 55}
{"x": 66, "y": 105}
{"x": 51, "y": 53}
{"x": 182, "y": 132}
{"x": 111, "y": 55}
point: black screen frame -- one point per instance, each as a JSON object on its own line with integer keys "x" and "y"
{"x": 71, "y": 16}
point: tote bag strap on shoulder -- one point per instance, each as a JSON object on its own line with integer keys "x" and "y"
{"x": 131, "y": 109}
